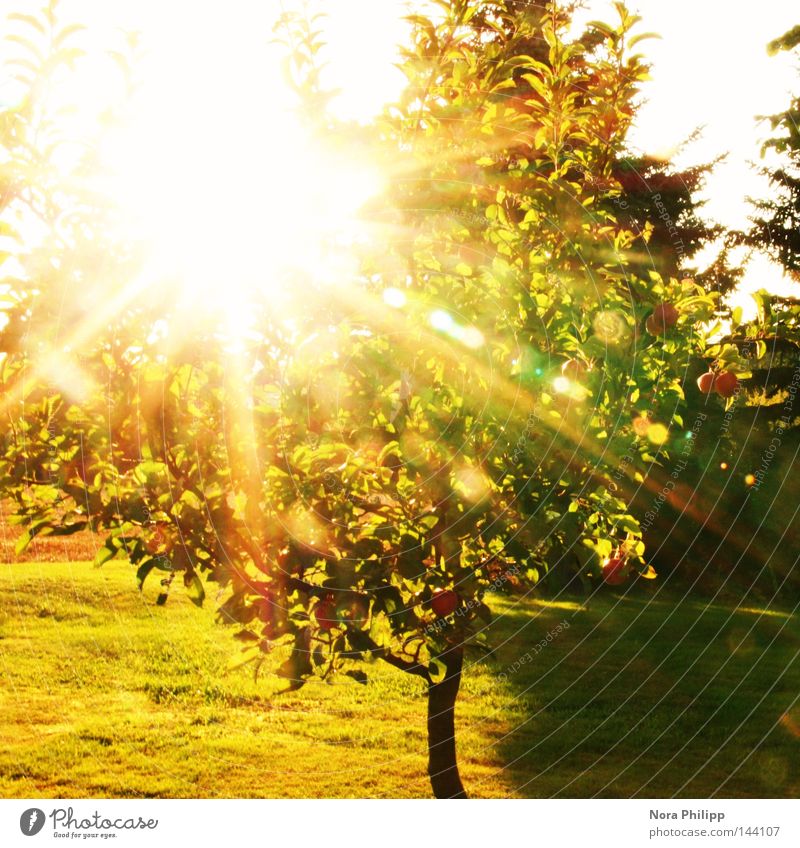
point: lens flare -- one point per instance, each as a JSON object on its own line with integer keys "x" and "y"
{"x": 394, "y": 298}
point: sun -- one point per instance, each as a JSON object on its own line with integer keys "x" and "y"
{"x": 226, "y": 191}
{"x": 202, "y": 157}
{"x": 230, "y": 202}
{"x": 232, "y": 210}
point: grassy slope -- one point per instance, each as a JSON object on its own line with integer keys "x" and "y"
{"x": 105, "y": 694}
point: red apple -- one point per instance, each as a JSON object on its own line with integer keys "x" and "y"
{"x": 325, "y": 613}
{"x": 445, "y": 602}
{"x": 613, "y": 571}
{"x": 705, "y": 382}
{"x": 664, "y": 316}
{"x": 573, "y": 369}
{"x": 726, "y": 384}
{"x": 667, "y": 314}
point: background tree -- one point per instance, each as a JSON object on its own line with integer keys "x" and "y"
{"x": 654, "y": 199}
{"x": 738, "y": 491}
{"x": 776, "y": 225}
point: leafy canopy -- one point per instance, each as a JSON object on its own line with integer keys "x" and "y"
{"x": 357, "y": 478}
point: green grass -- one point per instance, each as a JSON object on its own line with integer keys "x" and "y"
{"x": 105, "y": 694}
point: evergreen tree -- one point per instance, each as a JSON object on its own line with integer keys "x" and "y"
{"x": 775, "y": 226}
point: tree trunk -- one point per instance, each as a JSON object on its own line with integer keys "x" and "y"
{"x": 442, "y": 764}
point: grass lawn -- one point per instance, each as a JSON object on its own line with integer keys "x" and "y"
{"x": 105, "y": 694}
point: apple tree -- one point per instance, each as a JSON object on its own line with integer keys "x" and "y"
{"x": 470, "y": 405}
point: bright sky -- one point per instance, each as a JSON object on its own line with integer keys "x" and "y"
{"x": 710, "y": 69}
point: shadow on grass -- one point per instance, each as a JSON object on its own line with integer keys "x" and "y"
{"x": 633, "y": 697}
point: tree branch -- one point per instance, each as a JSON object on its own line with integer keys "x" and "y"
{"x": 404, "y": 665}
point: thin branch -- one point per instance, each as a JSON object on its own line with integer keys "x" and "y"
{"x": 404, "y": 665}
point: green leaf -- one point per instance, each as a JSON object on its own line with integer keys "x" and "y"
{"x": 437, "y": 670}
{"x": 191, "y": 499}
{"x": 23, "y": 542}
{"x": 141, "y": 573}
{"x": 106, "y": 553}
{"x": 197, "y": 592}
{"x": 150, "y": 472}
{"x": 245, "y": 636}
{"x": 630, "y": 525}
{"x": 429, "y": 521}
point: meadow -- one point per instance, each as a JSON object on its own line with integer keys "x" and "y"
{"x": 105, "y": 694}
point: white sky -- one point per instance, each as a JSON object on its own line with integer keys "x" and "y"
{"x": 710, "y": 69}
